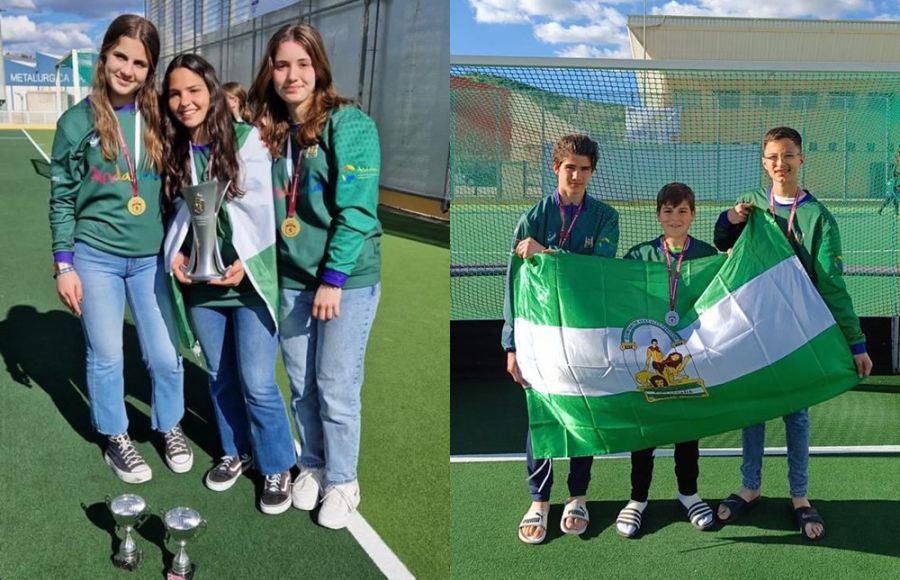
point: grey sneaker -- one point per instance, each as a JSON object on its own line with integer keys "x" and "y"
{"x": 125, "y": 460}
{"x": 179, "y": 456}
{"x": 227, "y": 471}
{"x": 276, "y": 495}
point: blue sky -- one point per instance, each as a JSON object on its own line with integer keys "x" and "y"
{"x": 57, "y": 26}
{"x": 596, "y": 28}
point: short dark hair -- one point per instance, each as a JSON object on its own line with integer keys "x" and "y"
{"x": 673, "y": 194}
{"x": 576, "y": 144}
{"x": 783, "y": 133}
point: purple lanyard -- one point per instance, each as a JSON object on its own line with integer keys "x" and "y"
{"x": 793, "y": 209}
{"x": 565, "y": 234}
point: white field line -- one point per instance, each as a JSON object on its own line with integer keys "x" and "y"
{"x": 41, "y": 151}
{"x": 372, "y": 544}
{"x": 388, "y": 562}
{"x": 713, "y": 452}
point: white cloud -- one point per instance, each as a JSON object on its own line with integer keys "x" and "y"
{"x": 765, "y": 8}
{"x": 21, "y": 34}
{"x": 555, "y": 33}
{"x": 589, "y": 51}
{"x": 524, "y": 11}
{"x": 18, "y": 4}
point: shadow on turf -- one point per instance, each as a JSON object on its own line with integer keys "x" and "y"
{"x": 47, "y": 350}
{"x": 849, "y": 524}
{"x": 866, "y": 526}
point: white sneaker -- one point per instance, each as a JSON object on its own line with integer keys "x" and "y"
{"x": 307, "y": 488}
{"x": 339, "y": 502}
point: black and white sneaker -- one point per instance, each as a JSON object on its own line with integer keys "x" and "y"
{"x": 227, "y": 471}
{"x": 125, "y": 460}
{"x": 276, "y": 495}
{"x": 179, "y": 456}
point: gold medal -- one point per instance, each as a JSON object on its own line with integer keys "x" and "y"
{"x": 290, "y": 227}
{"x": 136, "y": 205}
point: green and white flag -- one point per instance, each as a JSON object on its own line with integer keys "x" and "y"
{"x": 755, "y": 341}
{"x": 252, "y": 218}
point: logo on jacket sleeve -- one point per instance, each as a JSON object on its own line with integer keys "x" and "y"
{"x": 351, "y": 173}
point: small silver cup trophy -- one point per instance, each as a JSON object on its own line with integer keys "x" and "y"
{"x": 204, "y": 202}
{"x": 129, "y": 511}
{"x": 182, "y": 524}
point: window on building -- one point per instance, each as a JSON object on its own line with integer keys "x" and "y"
{"x": 766, "y": 100}
{"x": 803, "y": 100}
{"x": 728, "y": 99}
{"x": 841, "y": 100}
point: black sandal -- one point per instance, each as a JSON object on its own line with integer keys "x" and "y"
{"x": 808, "y": 515}
{"x": 736, "y": 506}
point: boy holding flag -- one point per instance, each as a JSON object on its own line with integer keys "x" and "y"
{"x": 813, "y": 234}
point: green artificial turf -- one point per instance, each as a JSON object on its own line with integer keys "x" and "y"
{"x": 53, "y": 487}
{"x": 857, "y": 497}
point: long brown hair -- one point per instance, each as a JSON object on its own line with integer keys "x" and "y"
{"x": 147, "y": 101}
{"x": 219, "y": 133}
{"x": 271, "y": 113}
{"x": 235, "y": 89}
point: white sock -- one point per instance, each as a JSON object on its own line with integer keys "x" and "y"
{"x": 631, "y": 529}
{"x": 688, "y": 500}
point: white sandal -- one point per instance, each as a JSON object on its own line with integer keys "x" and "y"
{"x": 533, "y": 518}
{"x": 575, "y": 509}
{"x": 628, "y": 524}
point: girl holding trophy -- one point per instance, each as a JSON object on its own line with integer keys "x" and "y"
{"x": 107, "y": 228}
{"x": 325, "y": 177}
{"x": 232, "y": 314}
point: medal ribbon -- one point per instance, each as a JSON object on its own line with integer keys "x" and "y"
{"x": 209, "y": 164}
{"x": 793, "y": 209}
{"x": 565, "y": 234}
{"x": 673, "y": 282}
{"x": 132, "y": 175}
{"x": 295, "y": 176}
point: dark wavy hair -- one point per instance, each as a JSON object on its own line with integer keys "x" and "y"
{"x": 270, "y": 112}
{"x": 219, "y": 133}
{"x": 146, "y": 99}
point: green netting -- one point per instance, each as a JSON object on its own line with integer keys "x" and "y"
{"x": 655, "y": 126}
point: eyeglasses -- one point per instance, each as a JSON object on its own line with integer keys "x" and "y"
{"x": 787, "y": 157}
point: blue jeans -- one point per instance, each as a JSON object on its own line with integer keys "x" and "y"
{"x": 796, "y": 426}
{"x": 324, "y": 363}
{"x": 107, "y": 281}
{"x": 239, "y": 344}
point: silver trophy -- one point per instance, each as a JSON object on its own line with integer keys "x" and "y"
{"x": 129, "y": 511}
{"x": 182, "y": 524}
{"x": 204, "y": 202}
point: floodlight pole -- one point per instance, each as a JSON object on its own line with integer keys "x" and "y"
{"x": 2, "y": 68}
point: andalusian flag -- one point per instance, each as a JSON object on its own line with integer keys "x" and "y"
{"x": 252, "y": 218}
{"x": 755, "y": 341}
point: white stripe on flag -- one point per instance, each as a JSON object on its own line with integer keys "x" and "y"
{"x": 761, "y": 322}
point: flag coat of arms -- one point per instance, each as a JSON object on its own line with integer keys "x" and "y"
{"x": 754, "y": 341}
